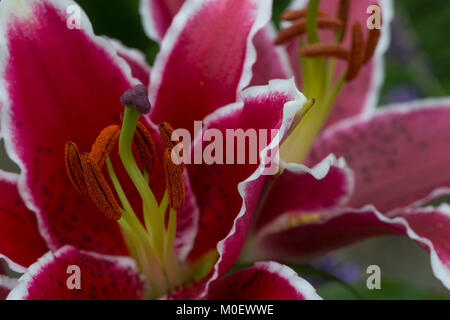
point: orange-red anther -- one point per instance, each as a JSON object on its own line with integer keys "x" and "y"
{"x": 325, "y": 50}
{"x": 74, "y": 168}
{"x": 145, "y": 146}
{"x": 174, "y": 181}
{"x": 371, "y": 43}
{"x": 104, "y": 144}
{"x": 290, "y": 15}
{"x": 357, "y": 52}
{"x": 99, "y": 190}
{"x": 299, "y": 27}
{"x": 166, "y": 133}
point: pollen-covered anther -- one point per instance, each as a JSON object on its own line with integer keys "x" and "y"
{"x": 357, "y": 52}
{"x": 145, "y": 146}
{"x": 168, "y": 138}
{"x": 325, "y": 50}
{"x": 343, "y": 13}
{"x": 290, "y": 15}
{"x": 137, "y": 98}
{"x": 299, "y": 27}
{"x": 174, "y": 181}
{"x": 371, "y": 43}
{"x": 104, "y": 144}
{"x": 99, "y": 190}
{"x": 74, "y": 168}
{"x": 166, "y": 131}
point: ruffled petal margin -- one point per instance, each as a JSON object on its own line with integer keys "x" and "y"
{"x": 302, "y": 193}
{"x": 6, "y": 285}
{"x": 157, "y": 16}
{"x": 263, "y": 281}
{"x": 428, "y": 227}
{"x": 53, "y": 277}
{"x": 20, "y": 241}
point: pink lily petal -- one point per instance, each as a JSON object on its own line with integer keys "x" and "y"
{"x": 428, "y": 227}
{"x": 198, "y": 71}
{"x": 6, "y": 285}
{"x": 390, "y": 153}
{"x": 272, "y": 62}
{"x": 135, "y": 59}
{"x": 359, "y": 96}
{"x": 294, "y": 61}
{"x": 157, "y": 16}
{"x": 300, "y": 189}
{"x": 68, "y": 89}
{"x": 227, "y": 194}
{"x": 263, "y": 281}
{"x": 102, "y": 277}
{"x": 20, "y": 242}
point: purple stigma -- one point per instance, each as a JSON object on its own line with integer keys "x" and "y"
{"x": 137, "y": 97}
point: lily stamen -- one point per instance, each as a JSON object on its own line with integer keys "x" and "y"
{"x": 165, "y": 131}
{"x": 371, "y": 43}
{"x": 291, "y": 15}
{"x": 298, "y": 28}
{"x": 356, "y": 53}
{"x": 174, "y": 181}
{"x": 328, "y": 50}
{"x": 168, "y": 139}
{"x": 99, "y": 190}
{"x": 74, "y": 168}
{"x": 319, "y": 61}
{"x": 145, "y": 147}
{"x": 104, "y": 144}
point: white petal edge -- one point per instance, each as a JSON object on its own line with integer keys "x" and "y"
{"x": 132, "y": 53}
{"x": 7, "y": 282}
{"x": 11, "y": 178}
{"x": 21, "y": 290}
{"x": 302, "y": 286}
{"x": 147, "y": 21}
{"x": 319, "y": 172}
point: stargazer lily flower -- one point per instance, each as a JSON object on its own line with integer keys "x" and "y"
{"x": 133, "y": 223}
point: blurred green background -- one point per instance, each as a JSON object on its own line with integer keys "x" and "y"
{"x": 417, "y": 66}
